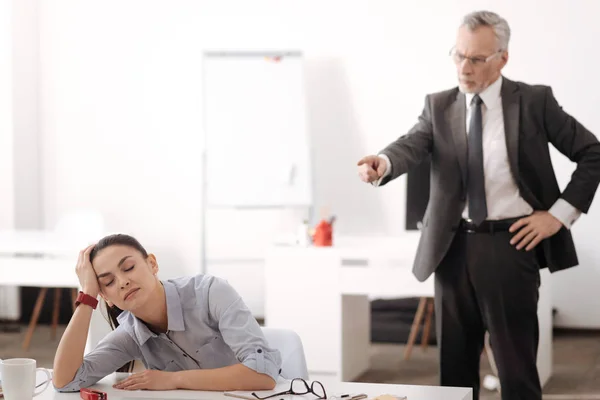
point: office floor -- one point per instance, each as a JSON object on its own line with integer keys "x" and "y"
{"x": 576, "y": 362}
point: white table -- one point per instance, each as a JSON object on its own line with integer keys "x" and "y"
{"x": 39, "y": 258}
{"x": 38, "y": 242}
{"x": 324, "y": 293}
{"x": 332, "y": 388}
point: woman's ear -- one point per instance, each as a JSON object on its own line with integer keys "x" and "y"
{"x": 153, "y": 264}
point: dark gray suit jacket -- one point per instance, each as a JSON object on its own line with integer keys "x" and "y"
{"x": 532, "y": 119}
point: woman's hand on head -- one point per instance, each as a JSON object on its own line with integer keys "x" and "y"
{"x": 86, "y": 274}
{"x": 149, "y": 379}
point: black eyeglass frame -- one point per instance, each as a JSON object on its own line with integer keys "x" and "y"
{"x": 309, "y": 389}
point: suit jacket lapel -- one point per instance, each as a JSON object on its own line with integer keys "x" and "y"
{"x": 510, "y": 106}
{"x": 457, "y": 114}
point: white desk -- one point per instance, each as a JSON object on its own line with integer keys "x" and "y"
{"x": 46, "y": 242}
{"x": 332, "y": 388}
{"x": 323, "y": 294}
{"x": 44, "y": 259}
{"x": 38, "y": 258}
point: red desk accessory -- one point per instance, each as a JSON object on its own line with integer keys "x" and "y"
{"x": 90, "y": 394}
{"x": 323, "y": 236}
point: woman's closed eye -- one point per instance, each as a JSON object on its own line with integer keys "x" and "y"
{"x": 126, "y": 270}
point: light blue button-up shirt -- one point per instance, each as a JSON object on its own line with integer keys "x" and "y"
{"x": 209, "y": 326}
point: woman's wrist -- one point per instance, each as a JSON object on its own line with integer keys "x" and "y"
{"x": 177, "y": 380}
{"x": 90, "y": 292}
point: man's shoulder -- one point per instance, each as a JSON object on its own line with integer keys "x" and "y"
{"x": 533, "y": 89}
{"x": 444, "y": 95}
{"x": 443, "y": 98}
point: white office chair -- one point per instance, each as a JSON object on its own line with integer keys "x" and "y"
{"x": 289, "y": 344}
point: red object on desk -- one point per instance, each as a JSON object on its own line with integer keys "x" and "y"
{"x": 323, "y": 234}
{"x": 90, "y": 394}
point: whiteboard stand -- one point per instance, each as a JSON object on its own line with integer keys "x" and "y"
{"x": 257, "y": 170}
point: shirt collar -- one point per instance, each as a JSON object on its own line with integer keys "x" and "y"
{"x": 140, "y": 332}
{"x": 490, "y": 96}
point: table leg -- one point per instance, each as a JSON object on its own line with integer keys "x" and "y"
{"x": 55, "y": 311}
{"x": 415, "y": 327}
{"x": 427, "y": 328}
{"x": 34, "y": 318}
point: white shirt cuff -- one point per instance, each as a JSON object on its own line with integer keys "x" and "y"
{"x": 388, "y": 169}
{"x": 564, "y": 212}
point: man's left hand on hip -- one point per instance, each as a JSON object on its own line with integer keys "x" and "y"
{"x": 533, "y": 229}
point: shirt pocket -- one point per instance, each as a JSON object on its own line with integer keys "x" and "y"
{"x": 208, "y": 354}
{"x": 213, "y": 354}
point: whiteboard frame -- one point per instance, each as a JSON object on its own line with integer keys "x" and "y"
{"x": 307, "y": 200}
{"x": 204, "y": 154}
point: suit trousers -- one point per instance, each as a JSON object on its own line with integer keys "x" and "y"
{"x": 485, "y": 284}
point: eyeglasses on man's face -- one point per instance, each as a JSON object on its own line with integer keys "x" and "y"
{"x": 458, "y": 58}
{"x": 299, "y": 386}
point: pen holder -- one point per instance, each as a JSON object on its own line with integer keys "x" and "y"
{"x": 323, "y": 236}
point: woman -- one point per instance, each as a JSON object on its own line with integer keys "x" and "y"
{"x": 191, "y": 333}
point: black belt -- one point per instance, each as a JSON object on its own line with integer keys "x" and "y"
{"x": 502, "y": 225}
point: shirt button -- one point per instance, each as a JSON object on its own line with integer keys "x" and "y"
{"x": 259, "y": 351}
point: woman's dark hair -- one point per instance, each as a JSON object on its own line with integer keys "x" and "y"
{"x": 114, "y": 311}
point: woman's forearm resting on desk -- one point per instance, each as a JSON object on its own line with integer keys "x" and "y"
{"x": 234, "y": 377}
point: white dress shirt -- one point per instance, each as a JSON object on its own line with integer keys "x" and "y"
{"x": 501, "y": 191}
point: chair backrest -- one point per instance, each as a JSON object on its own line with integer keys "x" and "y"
{"x": 289, "y": 344}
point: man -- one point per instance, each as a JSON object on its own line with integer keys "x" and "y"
{"x": 495, "y": 213}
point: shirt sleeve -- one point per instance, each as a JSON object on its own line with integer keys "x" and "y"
{"x": 563, "y": 211}
{"x": 240, "y": 330}
{"x": 112, "y": 352}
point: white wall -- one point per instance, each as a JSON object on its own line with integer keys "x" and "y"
{"x": 121, "y": 121}
{"x": 20, "y": 183}
{"x": 26, "y": 140}
{"x": 6, "y": 123}
{"x": 9, "y": 296}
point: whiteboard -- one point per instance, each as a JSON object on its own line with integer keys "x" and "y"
{"x": 257, "y": 149}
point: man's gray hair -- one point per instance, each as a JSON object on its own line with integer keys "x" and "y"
{"x": 487, "y": 18}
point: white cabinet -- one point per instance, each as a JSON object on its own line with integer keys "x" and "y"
{"x": 323, "y": 294}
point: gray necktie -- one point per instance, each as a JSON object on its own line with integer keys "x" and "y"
{"x": 476, "y": 180}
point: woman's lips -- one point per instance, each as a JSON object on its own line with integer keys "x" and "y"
{"x": 131, "y": 293}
